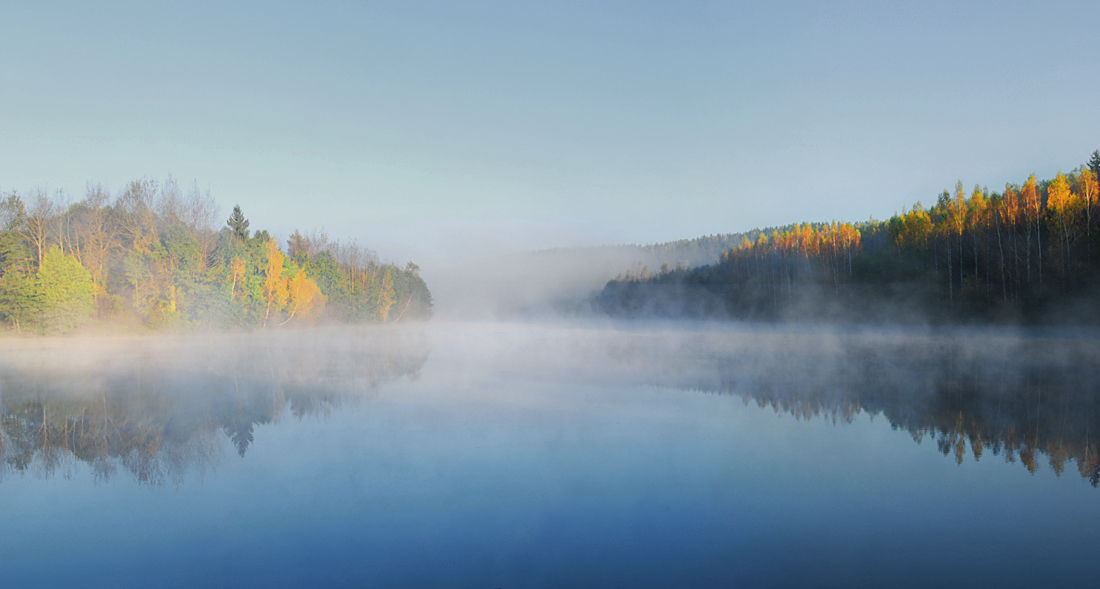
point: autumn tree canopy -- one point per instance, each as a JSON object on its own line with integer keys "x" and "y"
{"x": 1024, "y": 253}
{"x": 152, "y": 255}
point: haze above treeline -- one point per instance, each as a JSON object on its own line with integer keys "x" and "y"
{"x": 153, "y": 257}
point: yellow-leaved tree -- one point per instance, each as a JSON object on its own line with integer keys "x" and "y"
{"x": 387, "y": 296}
{"x": 236, "y": 272}
{"x": 1089, "y": 190}
{"x": 1060, "y": 204}
{"x": 304, "y": 298}
{"x": 275, "y": 285}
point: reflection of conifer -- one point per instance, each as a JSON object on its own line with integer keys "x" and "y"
{"x": 241, "y": 436}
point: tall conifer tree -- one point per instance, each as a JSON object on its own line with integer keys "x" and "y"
{"x": 238, "y": 224}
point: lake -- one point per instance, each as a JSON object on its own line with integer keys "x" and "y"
{"x": 548, "y": 455}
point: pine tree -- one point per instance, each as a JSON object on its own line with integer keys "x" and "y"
{"x": 238, "y": 224}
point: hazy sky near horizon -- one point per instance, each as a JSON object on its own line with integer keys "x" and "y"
{"x": 431, "y": 131}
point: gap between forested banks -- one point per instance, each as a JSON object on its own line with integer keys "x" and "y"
{"x": 153, "y": 258}
{"x": 1028, "y": 254}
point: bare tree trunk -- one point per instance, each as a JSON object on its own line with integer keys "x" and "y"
{"x": 950, "y": 274}
{"x": 38, "y": 220}
{"x": 1039, "y": 242}
{"x": 407, "y": 303}
{"x": 1000, "y": 247}
{"x": 1065, "y": 232}
{"x": 960, "y": 261}
{"x": 1027, "y": 260}
{"x": 974, "y": 240}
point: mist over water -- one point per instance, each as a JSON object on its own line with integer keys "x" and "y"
{"x": 543, "y": 454}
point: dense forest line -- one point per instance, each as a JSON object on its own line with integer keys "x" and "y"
{"x": 152, "y": 256}
{"x": 1028, "y": 253}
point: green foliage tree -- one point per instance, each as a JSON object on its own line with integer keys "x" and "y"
{"x": 64, "y": 293}
{"x": 19, "y": 303}
{"x": 155, "y": 259}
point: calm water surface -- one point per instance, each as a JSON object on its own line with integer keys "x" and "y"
{"x": 526, "y": 456}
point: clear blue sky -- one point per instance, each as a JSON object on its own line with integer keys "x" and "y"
{"x": 432, "y": 131}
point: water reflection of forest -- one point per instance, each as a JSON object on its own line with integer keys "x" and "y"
{"x": 157, "y": 407}
{"x": 1020, "y": 398}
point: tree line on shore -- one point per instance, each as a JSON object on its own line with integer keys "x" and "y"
{"x": 986, "y": 255}
{"x": 153, "y": 256}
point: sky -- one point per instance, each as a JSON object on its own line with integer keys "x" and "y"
{"x": 442, "y": 131}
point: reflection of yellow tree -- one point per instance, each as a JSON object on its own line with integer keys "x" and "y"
{"x": 1087, "y": 463}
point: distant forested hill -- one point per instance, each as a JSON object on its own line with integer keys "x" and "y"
{"x": 155, "y": 257}
{"x": 551, "y": 281}
{"x": 695, "y": 252}
{"x": 557, "y": 280}
{"x": 1028, "y": 253}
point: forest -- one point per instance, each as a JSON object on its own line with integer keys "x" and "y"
{"x": 1029, "y": 253}
{"x": 153, "y": 257}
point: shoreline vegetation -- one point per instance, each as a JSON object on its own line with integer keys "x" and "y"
{"x": 1029, "y": 254}
{"x": 153, "y": 258}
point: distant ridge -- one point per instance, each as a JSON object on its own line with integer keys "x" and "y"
{"x": 552, "y": 280}
{"x": 692, "y": 252}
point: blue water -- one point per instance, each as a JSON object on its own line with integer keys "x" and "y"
{"x": 526, "y": 456}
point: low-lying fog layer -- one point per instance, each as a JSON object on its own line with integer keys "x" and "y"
{"x": 1002, "y": 391}
{"x": 499, "y": 455}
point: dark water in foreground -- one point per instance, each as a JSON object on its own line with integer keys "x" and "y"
{"x": 526, "y": 456}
